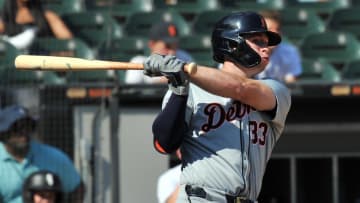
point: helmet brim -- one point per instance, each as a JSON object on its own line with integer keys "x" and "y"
{"x": 274, "y": 38}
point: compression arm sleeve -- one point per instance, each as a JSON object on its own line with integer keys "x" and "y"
{"x": 169, "y": 126}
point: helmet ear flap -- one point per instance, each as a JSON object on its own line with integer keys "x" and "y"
{"x": 237, "y": 51}
{"x": 246, "y": 55}
{"x": 240, "y": 52}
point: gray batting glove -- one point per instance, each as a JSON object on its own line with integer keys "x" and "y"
{"x": 152, "y": 65}
{"x": 170, "y": 67}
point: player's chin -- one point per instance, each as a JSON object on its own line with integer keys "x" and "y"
{"x": 258, "y": 69}
{"x": 265, "y": 60}
{"x": 263, "y": 63}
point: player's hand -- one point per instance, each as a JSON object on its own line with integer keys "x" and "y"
{"x": 153, "y": 63}
{"x": 170, "y": 67}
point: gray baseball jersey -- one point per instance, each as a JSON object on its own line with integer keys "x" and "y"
{"x": 229, "y": 143}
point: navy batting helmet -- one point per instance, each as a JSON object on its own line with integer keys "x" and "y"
{"x": 228, "y": 41}
{"x": 41, "y": 181}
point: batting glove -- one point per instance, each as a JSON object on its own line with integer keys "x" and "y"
{"x": 153, "y": 63}
{"x": 170, "y": 67}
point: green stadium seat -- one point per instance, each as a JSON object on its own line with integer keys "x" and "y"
{"x": 14, "y": 77}
{"x": 70, "y": 48}
{"x": 189, "y": 8}
{"x": 88, "y": 77}
{"x": 61, "y": 47}
{"x": 8, "y": 53}
{"x": 121, "y": 10}
{"x": 199, "y": 47}
{"x": 64, "y": 6}
{"x": 321, "y": 8}
{"x": 51, "y": 78}
{"x": 297, "y": 23}
{"x": 205, "y": 21}
{"x": 351, "y": 70}
{"x": 347, "y": 19}
{"x": 140, "y": 23}
{"x": 355, "y": 3}
{"x": 318, "y": 70}
{"x": 93, "y": 27}
{"x": 123, "y": 49}
{"x": 10, "y": 76}
{"x": 254, "y": 5}
{"x": 336, "y": 47}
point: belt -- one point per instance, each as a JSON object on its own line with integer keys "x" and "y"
{"x": 200, "y": 192}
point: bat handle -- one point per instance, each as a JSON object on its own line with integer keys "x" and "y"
{"x": 190, "y": 68}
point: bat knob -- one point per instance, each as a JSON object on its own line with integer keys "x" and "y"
{"x": 191, "y": 68}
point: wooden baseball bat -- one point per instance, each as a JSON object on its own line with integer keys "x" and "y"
{"x": 60, "y": 63}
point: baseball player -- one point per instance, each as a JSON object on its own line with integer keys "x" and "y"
{"x": 226, "y": 122}
{"x": 41, "y": 187}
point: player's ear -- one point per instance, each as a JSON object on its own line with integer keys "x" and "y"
{"x": 151, "y": 43}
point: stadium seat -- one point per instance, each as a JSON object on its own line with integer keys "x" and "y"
{"x": 64, "y": 6}
{"x": 8, "y": 53}
{"x": 61, "y": 47}
{"x": 347, "y": 19}
{"x": 123, "y": 49}
{"x": 51, "y": 78}
{"x": 121, "y": 10}
{"x": 355, "y": 3}
{"x": 88, "y": 77}
{"x": 336, "y": 47}
{"x": 189, "y": 8}
{"x": 14, "y": 77}
{"x": 204, "y": 22}
{"x": 254, "y": 5}
{"x": 298, "y": 22}
{"x": 10, "y": 76}
{"x": 139, "y": 24}
{"x": 93, "y": 27}
{"x": 318, "y": 70}
{"x": 199, "y": 47}
{"x": 70, "y": 48}
{"x": 321, "y": 8}
{"x": 351, "y": 70}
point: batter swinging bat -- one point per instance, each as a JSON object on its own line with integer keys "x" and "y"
{"x": 60, "y": 63}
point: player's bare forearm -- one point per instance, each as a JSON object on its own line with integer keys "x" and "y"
{"x": 235, "y": 85}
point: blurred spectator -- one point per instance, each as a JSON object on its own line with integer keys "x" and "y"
{"x": 21, "y": 155}
{"x": 23, "y": 20}
{"x": 163, "y": 39}
{"x": 285, "y": 59}
{"x": 42, "y": 187}
{"x": 169, "y": 182}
